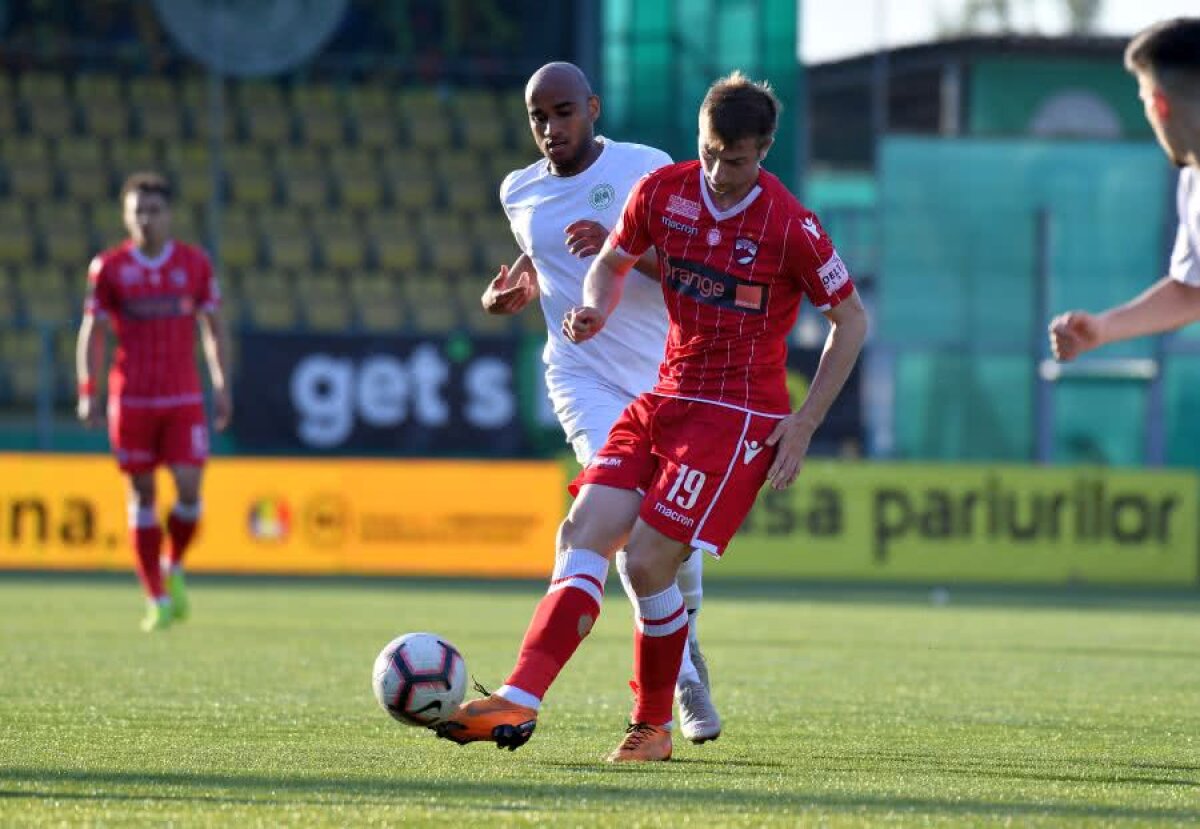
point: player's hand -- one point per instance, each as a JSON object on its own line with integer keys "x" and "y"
{"x": 89, "y": 411}
{"x": 505, "y": 295}
{"x": 582, "y": 323}
{"x": 1073, "y": 333}
{"x": 791, "y": 438}
{"x": 222, "y": 409}
{"x": 585, "y": 237}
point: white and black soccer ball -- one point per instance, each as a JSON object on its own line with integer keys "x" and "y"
{"x": 419, "y": 678}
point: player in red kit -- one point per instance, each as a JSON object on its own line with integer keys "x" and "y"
{"x": 152, "y": 290}
{"x": 683, "y": 464}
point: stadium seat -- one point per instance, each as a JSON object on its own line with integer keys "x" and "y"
{"x": 157, "y": 107}
{"x": 326, "y": 301}
{"x": 447, "y": 241}
{"x": 411, "y": 178}
{"x": 371, "y": 110}
{"x": 303, "y": 174}
{"x": 318, "y": 114}
{"x": 249, "y": 174}
{"x": 469, "y": 290}
{"x": 29, "y": 168}
{"x": 46, "y": 298}
{"x": 286, "y": 238}
{"x": 102, "y": 104}
{"x": 190, "y": 167}
{"x": 342, "y": 240}
{"x": 16, "y": 234}
{"x": 64, "y": 229}
{"x": 23, "y": 352}
{"x": 85, "y": 171}
{"x": 495, "y": 245}
{"x": 426, "y": 118}
{"x": 379, "y": 302}
{"x": 397, "y": 246}
{"x": 358, "y": 177}
{"x": 46, "y": 102}
{"x": 130, "y": 155}
{"x": 8, "y": 106}
{"x": 270, "y": 299}
{"x": 196, "y": 94}
{"x": 10, "y": 311}
{"x": 232, "y": 303}
{"x": 239, "y": 240}
{"x": 434, "y": 304}
{"x": 263, "y": 112}
{"x": 499, "y": 165}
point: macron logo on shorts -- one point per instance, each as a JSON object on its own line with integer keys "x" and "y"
{"x": 753, "y": 447}
{"x": 606, "y": 462}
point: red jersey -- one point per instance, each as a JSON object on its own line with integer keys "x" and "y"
{"x": 733, "y": 280}
{"x": 152, "y": 306}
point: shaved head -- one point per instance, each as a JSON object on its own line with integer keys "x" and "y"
{"x": 562, "y": 114}
{"x": 563, "y": 76}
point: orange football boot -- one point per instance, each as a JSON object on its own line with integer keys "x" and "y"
{"x": 491, "y": 719}
{"x": 643, "y": 743}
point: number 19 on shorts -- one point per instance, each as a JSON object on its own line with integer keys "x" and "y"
{"x": 687, "y": 486}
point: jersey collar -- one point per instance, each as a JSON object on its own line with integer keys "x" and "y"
{"x": 719, "y": 215}
{"x": 156, "y": 262}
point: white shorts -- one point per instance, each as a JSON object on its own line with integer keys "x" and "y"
{"x": 586, "y": 410}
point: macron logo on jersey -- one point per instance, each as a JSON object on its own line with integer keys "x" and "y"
{"x": 810, "y": 227}
{"x": 683, "y": 207}
{"x": 714, "y": 287}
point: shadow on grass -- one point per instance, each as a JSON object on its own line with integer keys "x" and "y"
{"x": 327, "y": 791}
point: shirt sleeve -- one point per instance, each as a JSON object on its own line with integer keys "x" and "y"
{"x": 100, "y": 300}
{"x": 822, "y": 274}
{"x": 1185, "y": 264}
{"x": 208, "y": 294}
{"x": 632, "y": 233}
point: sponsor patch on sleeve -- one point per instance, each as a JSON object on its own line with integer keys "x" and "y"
{"x": 833, "y": 274}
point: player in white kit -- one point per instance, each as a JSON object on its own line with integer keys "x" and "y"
{"x": 1165, "y": 58}
{"x": 560, "y": 209}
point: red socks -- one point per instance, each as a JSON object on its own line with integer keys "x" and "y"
{"x": 181, "y": 527}
{"x": 563, "y": 618}
{"x": 147, "y": 543}
{"x": 662, "y": 629}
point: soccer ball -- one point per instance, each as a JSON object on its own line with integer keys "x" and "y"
{"x": 419, "y": 678}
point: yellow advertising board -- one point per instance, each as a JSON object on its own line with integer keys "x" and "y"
{"x": 973, "y": 523}
{"x": 296, "y": 516}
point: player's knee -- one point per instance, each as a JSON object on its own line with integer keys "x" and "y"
{"x": 583, "y": 533}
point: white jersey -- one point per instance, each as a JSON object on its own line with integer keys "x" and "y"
{"x": 1185, "y": 258}
{"x": 624, "y": 357}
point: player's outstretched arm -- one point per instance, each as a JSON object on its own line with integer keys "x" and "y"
{"x": 89, "y": 364}
{"x": 794, "y": 433}
{"x": 512, "y": 288}
{"x": 586, "y": 238}
{"x": 213, "y": 337}
{"x": 1166, "y": 305}
{"x": 602, "y": 289}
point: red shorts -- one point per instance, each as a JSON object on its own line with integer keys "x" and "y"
{"x": 143, "y": 437}
{"x": 699, "y": 466}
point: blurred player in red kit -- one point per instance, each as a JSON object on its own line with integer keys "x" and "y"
{"x": 152, "y": 290}
{"x": 683, "y": 464}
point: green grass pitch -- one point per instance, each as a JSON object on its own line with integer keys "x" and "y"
{"x": 842, "y": 708}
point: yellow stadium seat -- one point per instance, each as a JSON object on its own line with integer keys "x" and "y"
{"x": 270, "y": 298}
{"x": 238, "y": 238}
{"x": 358, "y": 180}
{"x": 129, "y": 155}
{"x": 397, "y": 251}
{"x": 379, "y": 302}
{"x": 249, "y": 174}
{"x": 65, "y": 232}
{"x": 9, "y": 311}
{"x": 84, "y": 169}
{"x": 434, "y": 303}
{"x": 23, "y": 353}
{"x": 371, "y": 110}
{"x": 263, "y": 112}
{"x": 105, "y": 119}
{"x": 50, "y": 117}
{"x": 318, "y": 114}
{"x": 494, "y": 243}
{"x": 342, "y": 241}
{"x": 95, "y": 86}
{"x": 287, "y": 239}
{"x": 447, "y": 241}
{"x": 303, "y": 175}
{"x": 411, "y": 178}
{"x": 190, "y": 167}
{"x": 473, "y": 103}
{"x": 326, "y": 301}
{"x": 499, "y": 165}
{"x": 8, "y": 116}
{"x": 16, "y": 235}
{"x": 46, "y": 298}
{"x": 45, "y": 86}
{"x": 29, "y": 167}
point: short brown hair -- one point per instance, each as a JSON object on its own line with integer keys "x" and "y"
{"x": 738, "y": 108}
{"x": 1166, "y": 51}
{"x": 147, "y": 182}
